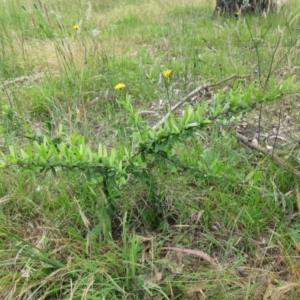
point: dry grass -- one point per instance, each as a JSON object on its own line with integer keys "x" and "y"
{"x": 44, "y": 53}
{"x": 149, "y": 11}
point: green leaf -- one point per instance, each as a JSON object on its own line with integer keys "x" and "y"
{"x": 12, "y": 151}
{"x": 74, "y": 234}
{"x": 24, "y": 155}
{"x": 195, "y": 124}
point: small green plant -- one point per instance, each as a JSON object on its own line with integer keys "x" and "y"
{"x": 152, "y": 147}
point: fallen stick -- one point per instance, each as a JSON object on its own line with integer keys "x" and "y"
{"x": 266, "y": 152}
{"x": 22, "y": 79}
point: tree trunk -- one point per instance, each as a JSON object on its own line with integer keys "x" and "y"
{"x": 245, "y": 6}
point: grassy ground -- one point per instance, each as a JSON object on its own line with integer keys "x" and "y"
{"x": 59, "y": 64}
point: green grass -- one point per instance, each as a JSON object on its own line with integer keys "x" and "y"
{"x": 62, "y": 238}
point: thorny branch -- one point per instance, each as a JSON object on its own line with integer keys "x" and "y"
{"x": 191, "y": 94}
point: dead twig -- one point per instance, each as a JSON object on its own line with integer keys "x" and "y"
{"x": 190, "y": 95}
{"x": 22, "y": 79}
{"x": 266, "y": 152}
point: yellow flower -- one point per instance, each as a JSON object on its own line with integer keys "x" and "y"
{"x": 76, "y": 26}
{"x": 167, "y": 73}
{"x": 120, "y": 86}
